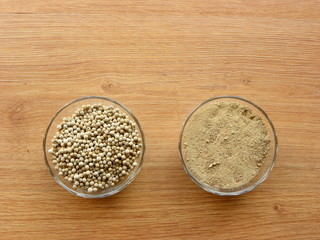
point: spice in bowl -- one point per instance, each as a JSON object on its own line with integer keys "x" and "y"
{"x": 96, "y": 147}
{"x": 224, "y": 145}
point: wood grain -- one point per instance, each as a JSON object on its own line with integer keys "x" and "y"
{"x": 160, "y": 59}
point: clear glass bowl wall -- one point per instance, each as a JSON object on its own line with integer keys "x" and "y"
{"x": 67, "y": 111}
{"x": 268, "y": 162}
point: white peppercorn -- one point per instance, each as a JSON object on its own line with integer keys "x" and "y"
{"x": 96, "y": 147}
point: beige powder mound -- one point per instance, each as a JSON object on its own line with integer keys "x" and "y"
{"x": 224, "y": 144}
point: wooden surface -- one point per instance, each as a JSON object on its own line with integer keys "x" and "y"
{"x": 160, "y": 59}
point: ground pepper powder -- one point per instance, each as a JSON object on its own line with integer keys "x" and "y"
{"x": 224, "y": 144}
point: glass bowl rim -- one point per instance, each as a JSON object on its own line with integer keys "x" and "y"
{"x": 116, "y": 190}
{"x": 249, "y": 188}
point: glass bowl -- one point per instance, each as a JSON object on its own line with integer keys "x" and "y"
{"x": 267, "y": 164}
{"x": 66, "y": 111}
